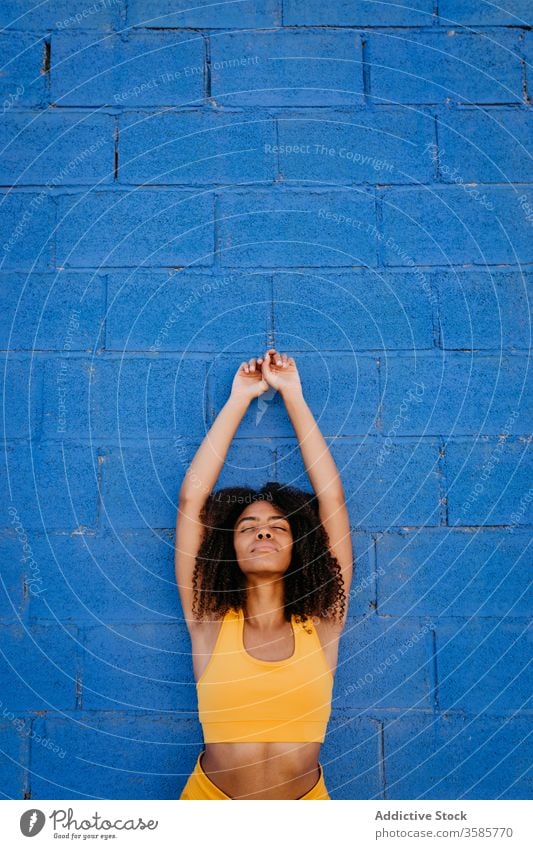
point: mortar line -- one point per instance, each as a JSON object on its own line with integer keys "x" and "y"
{"x": 103, "y": 330}
{"x": 434, "y": 672}
{"x": 437, "y": 175}
{"x": 442, "y": 491}
{"x": 79, "y": 671}
{"x": 271, "y": 331}
{"x": 367, "y": 86}
{"x": 207, "y": 68}
{"x": 115, "y": 148}
{"x": 278, "y": 175}
{"x": 379, "y": 412}
{"x": 378, "y": 211}
{"x": 373, "y": 537}
{"x": 382, "y": 757}
{"x": 26, "y": 780}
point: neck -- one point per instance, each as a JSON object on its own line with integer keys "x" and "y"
{"x": 264, "y": 606}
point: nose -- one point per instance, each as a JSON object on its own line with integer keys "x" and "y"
{"x": 265, "y": 535}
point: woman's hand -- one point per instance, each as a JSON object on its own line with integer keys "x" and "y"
{"x": 281, "y": 373}
{"x": 249, "y": 382}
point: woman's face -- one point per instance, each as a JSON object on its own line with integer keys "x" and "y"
{"x": 262, "y": 538}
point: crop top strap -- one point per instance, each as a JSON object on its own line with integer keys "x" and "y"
{"x": 228, "y": 637}
{"x": 306, "y": 631}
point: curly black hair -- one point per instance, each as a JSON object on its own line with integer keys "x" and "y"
{"x": 313, "y": 584}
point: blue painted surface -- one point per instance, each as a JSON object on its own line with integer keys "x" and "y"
{"x": 182, "y": 186}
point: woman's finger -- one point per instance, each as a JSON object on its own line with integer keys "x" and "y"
{"x": 252, "y": 364}
{"x": 284, "y": 360}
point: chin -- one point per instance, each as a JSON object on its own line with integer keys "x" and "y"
{"x": 260, "y": 564}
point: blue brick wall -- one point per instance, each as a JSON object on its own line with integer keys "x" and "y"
{"x": 182, "y": 185}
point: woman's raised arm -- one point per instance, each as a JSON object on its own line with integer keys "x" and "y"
{"x": 207, "y": 463}
{"x": 202, "y": 475}
{"x": 281, "y": 372}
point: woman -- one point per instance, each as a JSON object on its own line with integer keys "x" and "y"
{"x": 263, "y": 578}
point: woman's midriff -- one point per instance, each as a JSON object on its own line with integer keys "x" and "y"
{"x": 262, "y": 770}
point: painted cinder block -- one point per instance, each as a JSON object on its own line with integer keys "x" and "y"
{"x": 484, "y": 309}
{"x": 342, "y": 395}
{"x": 420, "y": 67}
{"x": 52, "y": 485}
{"x": 61, "y": 15}
{"x": 457, "y": 756}
{"x": 361, "y": 597}
{"x": 475, "y": 394}
{"x": 489, "y": 482}
{"x": 482, "y": 664}
{"x": 122, "y": 576}
{"x": 484, "y": 146}
{"x": 357, "y": 147}
{"x": 21, "y": 396}
{"x": 60, "y": 311}
{"x": 351, "y": 757}
{"x": 152, "y": 227}
{"x": 146, "y": 69}
{"x": 38, "y": 667}
{"x": 141, "y": 483}
{"x": 347, "y": 13}
{"x": 297, "y": 228}
{"x": 354, "y": 311}
{"x": 15, "y": 732}
{"x": 248, "y": 464}
{"x": 26, "y": 230}
{"x": 50, "y": 148}
{"x": 449, "y": 226}
{"x": 121, "y": 398}
{"x": 156, "y": 753}
{"x": 385, "y": 486}
{"x": 144, "y": 667}
{"x": 287, "y": 68}
{"x": 472, "y": 12}
{"x": 384, "y": 663}
{"x": 184, "y": 311}
{"x": 24, "y": 76}
{"x": 16, "y": 562}
{"x": 161, "y": 14}
{"x": 191, "y": 148}
{"x": 445, "y": 572}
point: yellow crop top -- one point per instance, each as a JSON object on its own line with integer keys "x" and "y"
{"x": 244, "y": 699}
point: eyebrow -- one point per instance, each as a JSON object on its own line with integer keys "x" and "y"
{"x": 255, "y": 518}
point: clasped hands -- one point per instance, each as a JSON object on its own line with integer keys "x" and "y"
{"x": 273, "y": 370}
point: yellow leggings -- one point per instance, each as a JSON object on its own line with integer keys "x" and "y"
{"x": 200, "y": 786}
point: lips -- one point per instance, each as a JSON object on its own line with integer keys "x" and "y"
{"x": 264, "y": 546}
